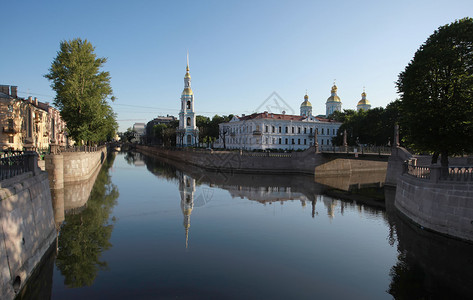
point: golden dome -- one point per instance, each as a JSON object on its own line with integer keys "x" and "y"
{"x": 187, "y": 75}
{"x": 334, "y": 89}
{"x": 363, "y": 100}
{"x": 306, "y": 101}
{"x": 333, "y": 97}
{"x": 187, "y": 91}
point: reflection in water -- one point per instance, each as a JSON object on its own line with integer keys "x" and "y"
{"x": 85, "y": 235}
{"x": 428, "y": 265}
{"x": 186, "y": 190}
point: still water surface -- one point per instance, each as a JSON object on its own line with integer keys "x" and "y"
{"x": 157, "y": 230}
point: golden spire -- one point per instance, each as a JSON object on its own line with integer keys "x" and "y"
{"x": 187, "y": 68}
{"x": 187, "y": 237}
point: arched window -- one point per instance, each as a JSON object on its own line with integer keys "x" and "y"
{"x": 189, "y": 104}
{"x": 189, "y": 140}
{"x": 188, "y": 121}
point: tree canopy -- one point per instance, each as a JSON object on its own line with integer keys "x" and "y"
{"x": 82, "y": 91}
{"x": 372, "y": 127}
{"x": 436, "y": 90}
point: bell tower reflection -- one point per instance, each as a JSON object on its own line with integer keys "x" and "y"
{"x": 187, "y": 191}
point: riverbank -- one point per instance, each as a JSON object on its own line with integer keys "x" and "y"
{"x": 305, "y": 162}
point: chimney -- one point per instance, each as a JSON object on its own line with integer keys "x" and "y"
{"x": 4, "y": 89}
{"x": 35, "y": 101}
{"x": 14, "y": 91}
{"x": 30, "y": 99}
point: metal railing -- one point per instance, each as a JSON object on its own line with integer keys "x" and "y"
{"x": 359, "y": 149}
{"x": 13, "y": 164}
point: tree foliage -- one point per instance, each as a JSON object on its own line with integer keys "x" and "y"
{"x": 372, "y": 127}
{"x": 82, "y": 91}
{"x": 436, "y": 90}
{"x": 86, "y": 235}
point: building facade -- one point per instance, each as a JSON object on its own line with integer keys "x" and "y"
{"x": 262, "y": 131}
{"x": 187, "y": 134}
{"x": 28, "y": 122}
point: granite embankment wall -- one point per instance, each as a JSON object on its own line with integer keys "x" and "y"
{"x": 28, "y": 224}
{"x": 27, "y": 228}
{"x": 439, "y": 205}
{"x": 306, "y": 162}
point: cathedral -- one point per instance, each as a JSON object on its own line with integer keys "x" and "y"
{"x": 187, "y": 135}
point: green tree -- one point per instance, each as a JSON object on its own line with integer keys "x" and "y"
{"x": 436, "y": 90}
{"x": 82, "y": 91}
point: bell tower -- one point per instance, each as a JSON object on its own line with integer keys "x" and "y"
{"x": 187, "y": 133}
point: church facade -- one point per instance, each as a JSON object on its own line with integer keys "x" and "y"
{"x": 187, "y": 135}
{"x": 262, "y": 131}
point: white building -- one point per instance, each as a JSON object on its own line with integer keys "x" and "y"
{"x": 277, "y": 131}
{"x": 187, "y": 134}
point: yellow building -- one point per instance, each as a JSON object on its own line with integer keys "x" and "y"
{"x": 28, "y": 122}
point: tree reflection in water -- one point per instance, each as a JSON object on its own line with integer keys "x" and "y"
{"x": 84, "y": 236}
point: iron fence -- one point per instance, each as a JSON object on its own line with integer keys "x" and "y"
{"x": 13, "y": 164}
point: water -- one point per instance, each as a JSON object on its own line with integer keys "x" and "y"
{"x": 156, "y": 230}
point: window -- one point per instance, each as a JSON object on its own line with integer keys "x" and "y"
{"x": 266, "y": 128}
{"x": 10, "y": 124}
{"x": 333, "y": 131}
{"x": 287, "y": 130}
{"x": 292, "y": 129}
{"x": 280, "y": 131}
{"x": 311, "y": 130}
{"x": 11, "y": 139}
{"x": 293, "y": 142}
{"x": 305, "y": 130}
{"x": 280, "y": 140}
{"x": 298, "y": 141}
{"x": 286, "y": 141}
{"x": 322, "y": 141}
{"x": 188, "y": 105}
{"x": 322, "y": 131}
{"x": 305, "y": 142}
{"x": 274, "y": 129}
{"x": 188, "y": 121}
{"x": 298, "y": 130}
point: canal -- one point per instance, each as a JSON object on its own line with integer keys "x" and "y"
{"x": 155, "y": 229}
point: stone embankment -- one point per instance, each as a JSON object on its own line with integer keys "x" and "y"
{"x": 27, "y": 228}
{"x": 441, "y": 201}
{"x": 306, "y": 162}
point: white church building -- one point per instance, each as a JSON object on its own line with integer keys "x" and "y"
{"x": 266, "y": 130}
{"x": 187, "y": 134}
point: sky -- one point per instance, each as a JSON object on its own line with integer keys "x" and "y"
{"x": 240, "y": 52}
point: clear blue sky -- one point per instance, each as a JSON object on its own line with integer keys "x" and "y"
{"x": 240, "y": 51}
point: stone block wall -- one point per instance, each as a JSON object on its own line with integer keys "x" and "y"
{"x": 445, "y": 207}
{"x": 80, "y": 166}
{"x": 27, "y": 228}
{"x": 306, "y": 162}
